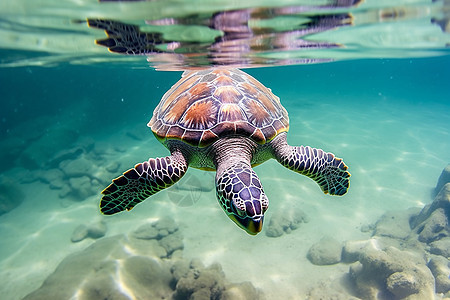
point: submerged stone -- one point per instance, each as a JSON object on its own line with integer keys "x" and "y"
{"x": 11, "y": 195}
{"x": 283, "y": 222}
{"x": 393, "y": 272}
{"x": 444, "y": 178}
{"x": 325, "y": 252}
{"x": 440, "y": 267}
{"x": 93, "y": 230}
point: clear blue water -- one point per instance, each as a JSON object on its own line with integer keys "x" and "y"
{"x": 388, "y": 117}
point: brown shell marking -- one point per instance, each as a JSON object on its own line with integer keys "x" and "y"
{"x": 258, "y": 136}
{"x": 207, "y": 136}
{"x": 176, "y": 110}
{"x": 231, "y": 112}
{"x": 261, "y": 87}
{"x": 257, "y": 114}
{"x": 200, "y": 115}
{"x": 178, "y": 107}
{"x": 200, "y": 91}
{"x": 227, "y": 94}
{"x": 220, "y": 71}
{"x": 223, "y": 81}
{"x": 206, "y": 105}
{"x": 175, "y": 91}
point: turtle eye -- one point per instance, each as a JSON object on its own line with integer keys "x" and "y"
{"x": 239, "y": 212}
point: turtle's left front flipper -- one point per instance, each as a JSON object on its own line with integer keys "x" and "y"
{"x": 328, "y": 171}
{"x": 142, "y": 181}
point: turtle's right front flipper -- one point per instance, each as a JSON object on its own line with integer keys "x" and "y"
{"x": 328, "y": 171}
{"x": 142, "y": 181}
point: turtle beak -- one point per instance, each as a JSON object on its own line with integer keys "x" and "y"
{"x": 250, "y": 225}
{"x": 254, "y": 227}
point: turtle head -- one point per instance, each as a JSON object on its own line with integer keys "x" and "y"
{"x": 241, "y": 196}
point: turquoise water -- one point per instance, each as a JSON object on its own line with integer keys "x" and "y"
{"x": 387, "y": 118}
{"x": 68, "y": 129}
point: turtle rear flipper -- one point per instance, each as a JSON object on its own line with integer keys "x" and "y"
{"x": 142, "y": 181}
{"x": 328, "y": 171}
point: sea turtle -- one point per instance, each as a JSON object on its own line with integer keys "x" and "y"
{"x": 223, "y": 120}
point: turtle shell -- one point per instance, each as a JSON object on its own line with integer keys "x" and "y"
{"x": 209, "y": 104}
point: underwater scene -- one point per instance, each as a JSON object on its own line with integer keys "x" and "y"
{"x": 225, "y": 149}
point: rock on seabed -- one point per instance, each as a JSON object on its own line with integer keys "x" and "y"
{"x": 406, "y": 257}
{"x": 138, "y": 265}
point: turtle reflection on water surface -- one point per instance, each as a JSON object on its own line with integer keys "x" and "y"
{"x": 226, "y": 121}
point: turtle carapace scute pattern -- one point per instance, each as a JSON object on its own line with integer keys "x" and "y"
{"x": 223, "y": 120}
{"x": 207, "y": 105}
